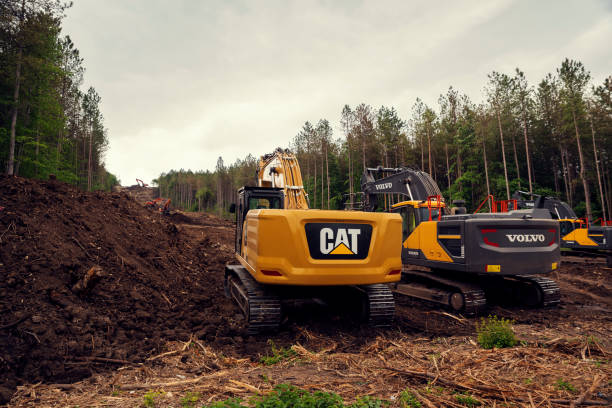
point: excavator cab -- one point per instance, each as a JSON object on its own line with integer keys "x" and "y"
{"x": 415, "y": 212}
{"x": 254, "y": 198}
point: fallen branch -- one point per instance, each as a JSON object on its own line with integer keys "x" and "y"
{"x": 164, "y": 384}
{"x": 11, "y": 325}
{"x": 246, "y": 386}
{"x": 81, "y": 246}
{"x": 587, "y": 403}
{"x": 108, "y": 360}
{"x": 169, "y": 353}
{"x": 427, "y": 376}
{"x": 588, "y": 392}
{"x": 195, "y": 380}
{"x": 66, "y": 387}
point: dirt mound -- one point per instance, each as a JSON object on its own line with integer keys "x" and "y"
{"x": 180, "y": 218}
{"x": 150, "y": 284}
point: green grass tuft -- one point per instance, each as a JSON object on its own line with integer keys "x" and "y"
{"x": 495, "y": 332}
{"x": 289, "y": 396}
{"x": 278, "y": 354}
{"x": 407, "y": 399}
{"x": 564, "y": 385}
{"x": 467, "y": 400}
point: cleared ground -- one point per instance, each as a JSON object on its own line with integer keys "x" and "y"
{"x": 157, "y": 326}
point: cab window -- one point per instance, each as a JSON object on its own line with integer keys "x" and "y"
{"x": 409, "y": 221}
{"x": 264, "y": 203}
{"x": 424, "y": 213}
{"x": 565, "y": 227}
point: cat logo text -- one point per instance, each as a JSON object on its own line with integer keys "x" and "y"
{"x": 338, "y": 240}
{"x": 342, "y": 244}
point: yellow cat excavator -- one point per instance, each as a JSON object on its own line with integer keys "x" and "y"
{"x": 287, "y": 251}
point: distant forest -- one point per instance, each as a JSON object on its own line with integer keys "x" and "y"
{"x": 47, "y": 124}
{"x": 552, "y": 138}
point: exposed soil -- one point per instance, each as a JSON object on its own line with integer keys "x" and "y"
{"x": 161, "y": 282}
{"x": 155, "y": 285}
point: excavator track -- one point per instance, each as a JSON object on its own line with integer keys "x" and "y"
{"x": 379, "y": 305}
{"x": 260, "y": 306}
{"x": 549, "y": 291}
{"x": 464, "y": 297}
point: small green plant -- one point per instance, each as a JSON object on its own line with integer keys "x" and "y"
{"x": 407, "y": 399}
{"x": 599, "y": 363}
{"x": 495, "y": 332}
{"x": 229, "y": 403}
{"x": 189, "y": 400}
{"x": 369, "y": 402}
{"x": 528, "y": 381}
{"x": 564, "y": 385}
{"x": 278, "y": 354}
{"x": 438, "y": 390}
{"x": 467, "y": 400}
{"x": 285, "y": 395}
{"x": 149, "y": 399}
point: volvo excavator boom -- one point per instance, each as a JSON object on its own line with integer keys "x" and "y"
{"x": 413, "y": 185}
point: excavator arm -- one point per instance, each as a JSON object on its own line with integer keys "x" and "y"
{"x": 415, "y": 185}
{"x": 281, "y": 169}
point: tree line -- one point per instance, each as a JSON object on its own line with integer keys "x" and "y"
{"x": 552, "y": 137}
{"x": 47, "y": 124}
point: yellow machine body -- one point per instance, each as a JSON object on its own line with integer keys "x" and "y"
{"x": 424, "y": 236}
{"x": 579, "y": 235}
{"x": 291, "y": 253}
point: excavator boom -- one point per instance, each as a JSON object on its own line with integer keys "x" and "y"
{"x": 414, "y": 185}
{"x": 281, "y": 169}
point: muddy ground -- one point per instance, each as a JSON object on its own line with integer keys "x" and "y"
{"x": 160, "y": 291}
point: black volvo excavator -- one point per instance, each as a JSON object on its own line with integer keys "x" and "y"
{"x": 469, "y": 259}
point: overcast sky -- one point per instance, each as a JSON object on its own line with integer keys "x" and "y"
{"x": 184, "y": 82}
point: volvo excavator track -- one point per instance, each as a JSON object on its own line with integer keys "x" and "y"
{"x": 260, "y": 306}
{"x": 464, "y": 297}
{"x": 550, "y": 293}
{"x": 469, "y": 295}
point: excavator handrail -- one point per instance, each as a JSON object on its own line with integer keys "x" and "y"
{"x": 487, "y": 198}
{"x": 503, "y": 204}
{"x": 438, "y": 206}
